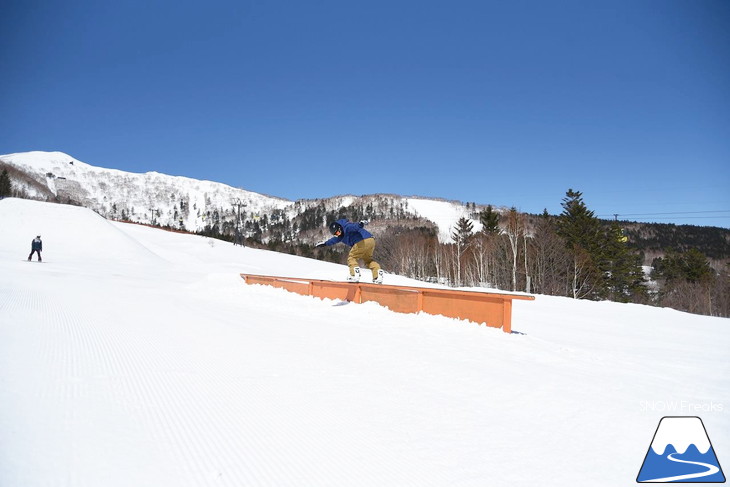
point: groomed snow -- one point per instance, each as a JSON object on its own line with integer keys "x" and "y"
{"x": 137, "y": 357}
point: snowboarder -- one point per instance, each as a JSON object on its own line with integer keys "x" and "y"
{"x": 36, "y": 246}
{"x": 362, "y": 243}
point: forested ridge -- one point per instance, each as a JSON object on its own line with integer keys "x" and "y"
{"x": 714, "y": 242}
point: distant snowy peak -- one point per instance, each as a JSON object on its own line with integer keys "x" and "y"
{"x": 41, "y": 157}
{"x": 65, "y": 165}
{"x": 43, "y": 161}
{"x": 680, "y": 432}
{"x": 151, "y": 197}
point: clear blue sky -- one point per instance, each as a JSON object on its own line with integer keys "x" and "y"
{"x": 509, "y": 103}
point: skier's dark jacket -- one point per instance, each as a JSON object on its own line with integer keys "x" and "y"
{"x": 37, "y": 244}
{"x": 352, "y": 233}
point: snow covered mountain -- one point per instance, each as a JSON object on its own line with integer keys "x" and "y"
{"x": 145, "y": 198}
{"x": 182, "y": 202}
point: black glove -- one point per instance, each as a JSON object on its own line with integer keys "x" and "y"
{"x": 321, "y": 244}
{"x": 363, "y": 223}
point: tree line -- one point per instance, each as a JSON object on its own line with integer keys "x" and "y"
{"x": 573, "y": 254}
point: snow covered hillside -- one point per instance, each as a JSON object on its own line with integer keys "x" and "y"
{"x": 146, "y": 198}
{"x": 133, "y": 356}
{"x": 177, "y": 201}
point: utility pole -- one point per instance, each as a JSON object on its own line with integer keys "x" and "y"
{"x": 238, "y": 204}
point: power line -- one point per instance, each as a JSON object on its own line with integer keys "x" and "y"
{"x": 693, "y": 217}
{"x": 616, "y": 215}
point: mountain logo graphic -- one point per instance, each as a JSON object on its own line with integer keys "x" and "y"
{"x": 681, "y": 452}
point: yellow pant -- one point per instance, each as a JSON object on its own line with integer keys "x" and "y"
{"x": 363, "y": 250}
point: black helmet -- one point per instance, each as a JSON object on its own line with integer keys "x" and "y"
{"x": 335, "y": 228}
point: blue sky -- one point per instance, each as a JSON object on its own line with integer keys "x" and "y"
{"x": 503, "y": 103}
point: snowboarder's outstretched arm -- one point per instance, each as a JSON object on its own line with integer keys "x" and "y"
{"x": 331, "y": 241}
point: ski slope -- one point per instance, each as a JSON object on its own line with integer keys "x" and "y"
{"x": 137, "y": 357}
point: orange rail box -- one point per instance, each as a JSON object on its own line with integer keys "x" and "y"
{"x": 492, "y": 309}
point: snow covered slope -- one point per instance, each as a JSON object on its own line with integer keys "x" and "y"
{"x": 149, "y": 197}
{"x": 135, "y": 356}
{"x": 179, "y": 201}
{"x": 444, "y": 214}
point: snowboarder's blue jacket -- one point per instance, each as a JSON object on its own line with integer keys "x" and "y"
{"x": 37, "y": 244}
{"x": 352, "y": 233}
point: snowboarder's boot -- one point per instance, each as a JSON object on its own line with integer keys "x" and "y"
{"x": 379, "y": 279}
{"x": 356, "y": 277}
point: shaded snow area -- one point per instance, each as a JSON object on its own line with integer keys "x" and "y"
{"x": 137, "y": 357}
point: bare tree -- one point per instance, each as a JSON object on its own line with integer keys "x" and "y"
{"x": 549, "y": 258}
{"x": 482, "y": 250}
{"x": 582, "y": 273}
{"x": 514, "y": 230}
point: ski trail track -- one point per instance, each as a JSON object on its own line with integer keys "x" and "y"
{"x": 77, "y": 406}
{"x": 215, "y": 396}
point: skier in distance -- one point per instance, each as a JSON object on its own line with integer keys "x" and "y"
{"x": 36, "y": 246}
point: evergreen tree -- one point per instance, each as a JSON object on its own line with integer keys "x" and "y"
{"x": 615, "y": 271}
{"x": 489, "y": 220}
{"x": 580, "y": 229}
{"x": 577, "y": 224}
{"x": 6, "y": 188}
{"x": 463, "y": 231}
{"x": 621, "y": 269}
{"x": 690, "y": 266}
{"x": 461, "y": 237}
{"x": 687, "y": 281}
{"x": 696, "y": 267}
